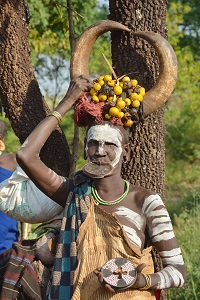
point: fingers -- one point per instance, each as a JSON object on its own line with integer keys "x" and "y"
{"x": 98, "y": 273}
{"x": 140, "y": 268}
{"x": 80, "y": 84}
{"x": 108, "y": 288}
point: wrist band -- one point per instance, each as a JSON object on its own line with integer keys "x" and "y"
{"x": 57, "y": 115}
{"x": 148, "y": 282}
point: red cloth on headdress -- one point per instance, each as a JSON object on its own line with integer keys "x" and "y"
{"x": 85, "y": 111}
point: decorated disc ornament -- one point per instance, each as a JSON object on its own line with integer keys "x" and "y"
{"x": 95, "y": 170}
{"x": 119, "y": 273}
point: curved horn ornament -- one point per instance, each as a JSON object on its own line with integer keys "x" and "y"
{"x": 84, "y": 44}
{"x": 165, "y": 84}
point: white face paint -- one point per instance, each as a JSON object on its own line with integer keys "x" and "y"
{"x": 106, "y": 133}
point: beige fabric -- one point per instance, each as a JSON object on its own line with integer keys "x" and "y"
{"x": 101, "y": 238}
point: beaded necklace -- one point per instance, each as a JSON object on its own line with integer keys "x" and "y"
{"x": 103, "y": 202}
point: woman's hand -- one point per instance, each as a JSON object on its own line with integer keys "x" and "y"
{"x": 98, "y": 273}
{"x": 139, "y": 283}
{"x": 76, "y": 89}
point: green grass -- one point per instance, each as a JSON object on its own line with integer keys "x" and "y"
{"x": 185, "y": 215}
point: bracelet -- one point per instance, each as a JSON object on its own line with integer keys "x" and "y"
{"x": 148, "y": 282}
{"x": 57, "y": 115}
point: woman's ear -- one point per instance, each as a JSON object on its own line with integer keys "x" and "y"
{"x": 126, "y": 153}
{"x": 85, "y": 155}
{"x": 2, "y": 145}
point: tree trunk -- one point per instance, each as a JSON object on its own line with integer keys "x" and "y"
{"x": 19, "y": 91}
{"x": 137, "y": 58}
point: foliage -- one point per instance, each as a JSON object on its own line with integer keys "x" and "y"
{"x": 11, "y": 141}
{"x": 189, "y": 23}
{"x": 185, "y": 215}
{"x": 49, "y": 40}
{"x": 182, "y": 115}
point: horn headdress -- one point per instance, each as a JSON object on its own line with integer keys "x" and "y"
{"x": 164, "y": 86}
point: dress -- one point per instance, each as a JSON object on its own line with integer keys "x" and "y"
{"x": 8, "y": 227}
{"x": 68, "y": 280}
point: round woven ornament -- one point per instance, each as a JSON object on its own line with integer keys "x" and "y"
{"x": 119, "y": 273}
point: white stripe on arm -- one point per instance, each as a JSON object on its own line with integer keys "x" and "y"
{"x": 162, "y": 235}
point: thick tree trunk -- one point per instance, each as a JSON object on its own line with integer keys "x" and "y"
{"x": 137, "y": 58}
{"x": 19, "y": 91}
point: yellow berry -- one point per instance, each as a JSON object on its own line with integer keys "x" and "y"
{"x": 120, "y": 114}
{"x": 107, "y": 77}
{"x": 121, "y": 104}
{"x": 102, "y": 97}
{"x": 128, "y": 123}
{"x": 121, "y": 84}
{"x": 134, "y": 96}
{"x": 126, "y": 78}
{"x": 111, "y": 82}
{"x": 114, "y": 111}
{"x": 100, "y": 78}
{"x": 140, "y": 97}
{"x": 92, "y": 92}
{"x": 142, "y": 91}
{"x": 127, "y": 101}
{"x": 110, "y": 98}
{"x": 95, "y": 99}
{"x": 107, "y": 116}
{"x": 97, "y": 86}
{"x": 117, "y": 90}
{"x": 136, "y": 103}
{"x": 134, "y": 82}
{"x": 101, "y": 82}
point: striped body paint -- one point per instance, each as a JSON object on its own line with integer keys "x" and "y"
{"x": 156, "y": 218}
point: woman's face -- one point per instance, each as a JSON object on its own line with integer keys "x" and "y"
{"x": 104, "y": 144}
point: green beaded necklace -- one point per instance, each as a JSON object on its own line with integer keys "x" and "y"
{"x": 101, "y": 201}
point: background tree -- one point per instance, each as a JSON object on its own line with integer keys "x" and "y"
{"x": 20, "y": 93}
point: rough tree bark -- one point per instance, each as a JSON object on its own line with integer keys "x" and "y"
{"x": 19, "y": 91}
{"x": 137, "y": 58}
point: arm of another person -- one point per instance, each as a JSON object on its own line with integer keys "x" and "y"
{"x": 54, "y": 186}
{"x": 162, "y": 236}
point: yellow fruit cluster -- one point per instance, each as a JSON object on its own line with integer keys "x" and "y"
{"x": 121, "y": 95}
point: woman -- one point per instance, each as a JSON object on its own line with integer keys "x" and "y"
{"x": 105, "y": 217}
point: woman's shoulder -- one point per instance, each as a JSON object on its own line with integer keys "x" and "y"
{"x": 140, "y": 194}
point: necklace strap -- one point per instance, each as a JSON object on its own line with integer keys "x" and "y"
{"x": 109, "y": 203}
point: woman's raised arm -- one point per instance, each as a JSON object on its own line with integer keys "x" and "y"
{"x": 54, "y": 186}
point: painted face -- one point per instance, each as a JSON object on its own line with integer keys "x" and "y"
{"x": 104, "y": 143}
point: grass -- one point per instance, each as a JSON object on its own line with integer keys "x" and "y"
{"x": 185, "y": 216}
